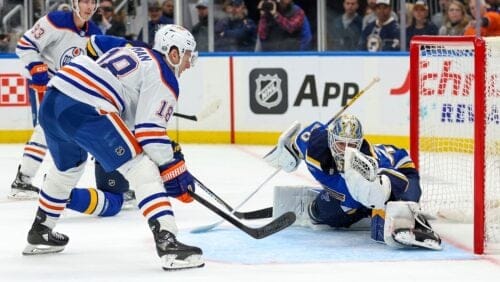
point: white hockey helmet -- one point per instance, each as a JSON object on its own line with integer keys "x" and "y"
{"x": 172, "y": 35}
{"x": 344, "y": 131}
{"x": 76, "y": 8}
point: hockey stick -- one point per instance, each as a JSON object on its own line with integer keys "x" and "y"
{"x": 272, "y": 227}
{"x": 184, "y": 116}
{"x": 206, "y": 228}
{"x": 353, "y": 99}
{"x": 209, "y": 109}
{"x": 256, "y": 214}
{"x": 267, "y": 212}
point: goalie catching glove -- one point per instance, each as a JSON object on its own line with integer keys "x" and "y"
{"x": 176, "y": 178}
{"x": 284, "y": 156}
{"x": 363, "y": 181}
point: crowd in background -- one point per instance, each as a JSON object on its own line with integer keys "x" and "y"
{"x": 288, "y": 25}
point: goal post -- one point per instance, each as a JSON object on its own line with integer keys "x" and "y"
{"x": 454, "y": 130}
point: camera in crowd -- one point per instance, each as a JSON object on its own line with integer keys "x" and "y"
{"x": 267, "y": 5}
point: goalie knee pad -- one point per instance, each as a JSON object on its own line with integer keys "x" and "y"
{"x": 407, "y": 226}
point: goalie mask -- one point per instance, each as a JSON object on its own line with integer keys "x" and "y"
{"x": 175, "y": 36}
{"x": 344, "y": 131}
{"x": 76, "y": 8}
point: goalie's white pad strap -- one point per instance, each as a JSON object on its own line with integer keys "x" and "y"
{"x": 283, "y": 156}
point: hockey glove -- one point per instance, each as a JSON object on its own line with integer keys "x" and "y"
{"x": 284, "y": 156}
{"x": 39, "y": 76}
{"x": 177, "y": 180}
{"x": 363, "y": 181}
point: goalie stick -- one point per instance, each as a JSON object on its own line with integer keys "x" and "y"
{"x": 209, "y": 227}
{"x": 272, "y": 227}
{"x": 267, "y": 212}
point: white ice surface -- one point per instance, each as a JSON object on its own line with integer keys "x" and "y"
{"x": 121, "y": 248}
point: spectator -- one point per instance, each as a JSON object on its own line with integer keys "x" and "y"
{"x": 370, "y": 15}
{"x": 4, "y": 43}
{"x": 236, "y": 32}
{"x": 494, "y": 5}
{"x": 345, "y": 31}
{"x": 200, "y": 30}
{"x": 408, "y": 15}
{"x": 108, "y": 22}
{"x": 421, "y": 25}
{"x": 283, "y": 26}
{"x": 383, "y": 33}
{"x": 438, "y": 18}
{"x": 456, "y": 19}
{"x": 156, "y": 20}
{"x": 490, "y": 20}
{"x": 168, "y": 9}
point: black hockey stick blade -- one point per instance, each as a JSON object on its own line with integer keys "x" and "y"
{"x": 193, "y": 117}
{"x": 256, "y": 214}
{"x": 272, "y": 227}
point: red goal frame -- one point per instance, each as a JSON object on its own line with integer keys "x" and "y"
{"x": 479, "y": 119}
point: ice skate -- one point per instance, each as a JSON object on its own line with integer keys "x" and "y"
{"x": 42, "y": 240}
{"x": 22, "y": 189}
{"x": 421, "y": 236}
{"x": 129, "y": 201}
{"x": 174, "y": 254}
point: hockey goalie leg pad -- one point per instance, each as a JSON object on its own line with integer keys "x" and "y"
{"x": 296, "y": 199}
{"x": 405, "y": 226}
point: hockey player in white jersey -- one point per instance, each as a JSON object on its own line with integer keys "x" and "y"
{"x": 117, "y": 109}
{"x": 358, "y": 180}
{"x": 52, "y": 42}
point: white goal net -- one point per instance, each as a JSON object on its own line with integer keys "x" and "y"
{"x": 455, "y": 130}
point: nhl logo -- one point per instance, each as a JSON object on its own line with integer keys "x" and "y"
{"x": 119, "y": 151}
{"x": 268, "y": 91}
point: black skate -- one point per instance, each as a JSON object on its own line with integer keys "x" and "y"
{"x": 174, "y": 254}
{"x": 421, "y": 236}
{"x": 21, "y": 189}
{"x": 129, "y": 201}
{"x": 42, "y": 240}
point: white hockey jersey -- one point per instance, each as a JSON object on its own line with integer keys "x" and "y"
{"x": 134, "y": 82}
{"x": 55, "y": 40}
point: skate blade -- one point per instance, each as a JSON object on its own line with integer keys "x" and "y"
{"x": 129, "y": 205}
{"x": 30, "y": 249}
{"x": 408, "y": 239}
{"x": 22, "y": 195}
{"x": 170, "y": 262}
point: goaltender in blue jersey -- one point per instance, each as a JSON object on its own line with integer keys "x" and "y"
{"x": 358, "y": 180}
